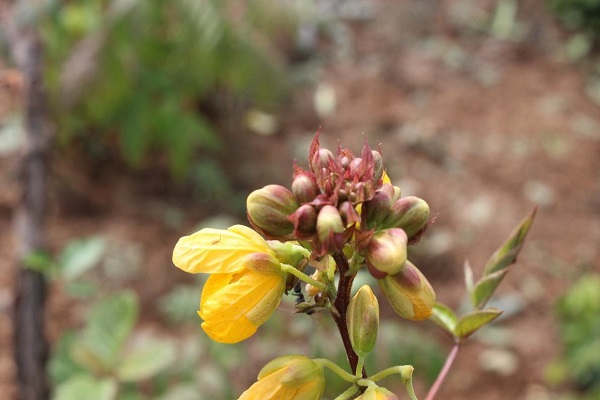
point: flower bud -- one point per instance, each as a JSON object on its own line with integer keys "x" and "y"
{"x": 304, "y": 220}
{"x": 305, "y": 188}
{"x": 386, "y": 251}
{"x": 377, "y": 167}
{"x": 329, "y": 222}
{"x": 409, "y": 213}
{"x": 321, "y": 159}
{"x": 348, "y": 213}
{"x": 377, "y": 393}
{"x": 289, "y": 377}
{"x": 397, "y": 194}
{"x": 377, "y": 209}
{"x": 362, "y": 319}
{"x": 269, "y": 208}
{"x": 409, "y": 293}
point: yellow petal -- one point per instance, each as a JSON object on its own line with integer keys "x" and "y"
{"x": 233, "y": 306}
{"x": 216, "y": 250}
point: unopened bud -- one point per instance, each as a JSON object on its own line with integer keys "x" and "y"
{"x": 304, "y": 220}
{"x": 304, "y": 188}
{"x": 329, "y": 222}
{"x": 269, "y": 208}
{"x": 348, "y": 213}
{"x": 386, "y": 251}
{"x": 409, "y": 293}
{"x": 378, "y": 166}
{"x": 362, "y": 319}
{"x": 377, "y": 209}
{"x": 321, "y": 159}
{"x": 409, "y": 213}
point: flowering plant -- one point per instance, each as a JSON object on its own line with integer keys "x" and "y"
{"x": 340, "y": 216}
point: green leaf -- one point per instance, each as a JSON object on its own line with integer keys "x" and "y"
{"x": 470, "y": 323}
{"x": 444, "y": 317}
{"x": 61, "y": 366}
{"x": 146, "y": 360}
{"x": 485, "y": 287}
{"x": 109, "y": 324}
{"x": 79, "y": 256}
{"x": 86, "y": 387}
{"x": 497, "y": 265}
{"x": 507, "y": 253}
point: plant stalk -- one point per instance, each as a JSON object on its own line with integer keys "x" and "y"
{"x": 443, "y": 373}
{"x": 341, "y": 305}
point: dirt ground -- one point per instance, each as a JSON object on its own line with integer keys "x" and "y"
{"x": 483, "y": 128}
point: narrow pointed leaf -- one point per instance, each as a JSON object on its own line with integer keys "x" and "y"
{"x": 469, "y": 280}
{"x": 507, "y": 253}
{"x": 485, "y": 287}
{"x": 444, "y": 317}
{"x": 470, "y": 323}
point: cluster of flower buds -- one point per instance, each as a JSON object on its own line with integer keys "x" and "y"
{"x": 345, "y": 201}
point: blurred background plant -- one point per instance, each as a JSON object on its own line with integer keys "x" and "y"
{"x": 578, "y": 310}
{"x": 151, "y": 81}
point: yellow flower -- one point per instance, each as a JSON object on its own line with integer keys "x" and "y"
{"x": 377, "y": 393}
{"x": 246, "y": 284}
{"x": 288, "y": 378}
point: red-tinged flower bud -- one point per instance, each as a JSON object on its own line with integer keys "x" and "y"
{"x": 397, "y": 194}
{"x": 304, "y": 188}
{"x": 269, "y": 209}
{"x": 409, "y": 293}
{"x": 409, "y": 213}
{"x": 348, "y": 212}
{"x": 329, "y": 222}
{"x": 305, "y": 221}
{"x": 376, "y": 210}
{"x": 355, "y": 167}
{"x": 321, "y": 159}
{"x": 362, "y": 319}
{"x": 378, "y": 167}
{"x": 386, "y": 251}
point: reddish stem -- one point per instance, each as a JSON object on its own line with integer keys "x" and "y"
{"x": 443, "y": 373}
{"x": 341, "y": 305}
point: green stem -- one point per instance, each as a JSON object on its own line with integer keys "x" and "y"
{"x": 352, "y": 390}
{"x": 339, "y": 371}
{"x": 302, "y": 276}
{"x": 405, "y": 372}
{"x": 359, "y": 366}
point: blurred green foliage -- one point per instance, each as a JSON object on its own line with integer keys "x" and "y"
{"x": 142, "y": 77}
{"x": 578, "y": 312}
{"x": 581, "y": 15}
